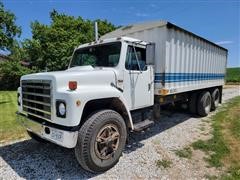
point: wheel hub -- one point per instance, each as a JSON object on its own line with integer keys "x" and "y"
{"x": 107, "y": 141}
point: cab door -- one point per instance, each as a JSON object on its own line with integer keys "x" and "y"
{"x": 138, "y": 79}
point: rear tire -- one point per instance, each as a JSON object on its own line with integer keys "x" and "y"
{"x": 101, "y": 140}
{"x": 215, "y": 98}
{"x": 36, "y": 137}
{"x": 204, "y": 103}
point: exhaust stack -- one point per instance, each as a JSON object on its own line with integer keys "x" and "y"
{"x": 96, "y": 30}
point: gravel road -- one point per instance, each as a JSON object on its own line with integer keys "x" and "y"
{"x": 28, "y": 159}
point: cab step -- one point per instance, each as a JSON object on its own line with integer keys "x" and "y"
{"x": 142, "y": 125}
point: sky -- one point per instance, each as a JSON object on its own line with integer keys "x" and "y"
{"x": 215, "y": 20}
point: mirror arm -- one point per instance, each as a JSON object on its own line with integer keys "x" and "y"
{"x": 137, "y": 59}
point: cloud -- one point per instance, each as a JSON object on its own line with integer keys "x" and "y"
{"x": 153, "y": 5}
{"x": 141, "y": 14}
{"x": 224, "y": 42}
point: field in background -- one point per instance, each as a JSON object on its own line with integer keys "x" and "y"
{"x": 233, "y": 75}
{"x": 9, "y": 129}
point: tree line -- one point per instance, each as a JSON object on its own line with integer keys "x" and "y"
{"x": 50, "y": 47}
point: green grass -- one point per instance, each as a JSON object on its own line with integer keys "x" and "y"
{"x": 163, "y": 163}
{"x": 184, "y": 153}
{"x": 224, "y": 147}
{"x": 233, "y": 173}
{"x": 233, "y": 75}
{"x": 9, "y": 128}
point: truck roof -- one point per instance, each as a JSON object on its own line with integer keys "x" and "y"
{"x": 109, "y": 40}
{"x": 123, "y": 31}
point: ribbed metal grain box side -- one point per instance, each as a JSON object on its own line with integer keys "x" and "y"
{"x": 191, "y": 62}
{"x": 184, "y": 61}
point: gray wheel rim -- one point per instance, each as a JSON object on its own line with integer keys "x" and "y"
{"x": 208, "y": 104}
{"x": 216, "y": 100}
{"x": 107, "y": 141}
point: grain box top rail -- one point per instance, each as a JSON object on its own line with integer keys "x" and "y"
{"x": 123, "y": 31}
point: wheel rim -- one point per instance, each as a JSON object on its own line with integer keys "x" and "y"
{"x": 107, "y": 141}
{"x": 208, "y": 104}
{"x": 216, "y": 100}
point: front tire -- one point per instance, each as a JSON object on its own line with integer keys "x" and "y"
{"x": 101, "y": 140}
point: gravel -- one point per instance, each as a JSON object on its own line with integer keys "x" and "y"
{"x": 175, "y": 130}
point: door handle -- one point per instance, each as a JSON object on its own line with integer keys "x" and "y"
{"x": 149, "y": 86}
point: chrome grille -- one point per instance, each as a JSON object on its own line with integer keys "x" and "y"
{"x": 36, "y": 98}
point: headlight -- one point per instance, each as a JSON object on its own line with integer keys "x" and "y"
{"x": 61, "y": 108}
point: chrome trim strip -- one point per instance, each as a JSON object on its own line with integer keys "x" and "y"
{"x": 37, "y": 102}
{"x": 36, "y": 87}
{"x": 36, "y": 109}
{"x": 36, "y": 94}
{"x": 36, "y": 81}
{"x": 38, "y": 116}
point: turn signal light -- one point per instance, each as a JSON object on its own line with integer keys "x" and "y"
{"x": 72, "y": 85}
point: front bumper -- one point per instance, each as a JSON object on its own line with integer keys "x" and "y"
{"x": 63, "y": 138}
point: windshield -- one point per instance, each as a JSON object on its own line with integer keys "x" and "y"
{"x": 105, "y": 55}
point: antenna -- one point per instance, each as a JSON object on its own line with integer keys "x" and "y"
{"x": 96, "y": 30}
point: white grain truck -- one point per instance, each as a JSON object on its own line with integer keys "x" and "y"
{"x": 116, "y": 85}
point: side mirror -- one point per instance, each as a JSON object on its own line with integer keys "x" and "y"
{"x": 150, "y": 54}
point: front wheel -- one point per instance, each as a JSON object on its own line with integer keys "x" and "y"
{"x": 101, "y": 140}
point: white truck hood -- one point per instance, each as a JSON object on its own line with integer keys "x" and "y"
{"x": 85, "y": 76}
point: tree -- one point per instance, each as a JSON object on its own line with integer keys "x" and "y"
{"x": 52, "y": 45}
{"x": 8, "y": 29}
{"x": 11, "y": 72}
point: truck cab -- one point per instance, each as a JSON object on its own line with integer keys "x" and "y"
{"x": 91, "y": 106}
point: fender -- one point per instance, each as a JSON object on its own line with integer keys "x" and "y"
{"x": 84, "y": 94}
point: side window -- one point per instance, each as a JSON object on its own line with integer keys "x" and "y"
{"x": 136, "y": 59}
{"x": 113, "y": 59}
